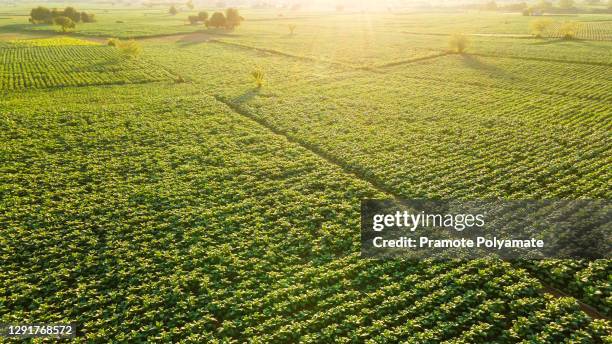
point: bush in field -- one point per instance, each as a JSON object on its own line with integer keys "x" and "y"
{"x": 217, "y": 20}
{"x": 527, "y": 12}
{"x": 569, "y": 30}
{"x": 258, "y": 75}
{"x": 232, "y": 18}
{"x": 87, "y": 17}
{"x": 539, "y": 26}
{"x": 566, "y": 4}
{"x": 130, "y": 49}
{"x": 458, "y": 43}
{"x": 173, "y": 11}
{"x": 64, "y": 22}
{"x": 113, "y": 42}
{"x": 203, "y": 15}
{"x": 292, "y": 28}
{"x": 189, "y": 4}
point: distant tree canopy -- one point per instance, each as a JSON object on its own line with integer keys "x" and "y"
{"x": 566, "y": 4}
{"x": 232, "y": 18}
{"x": 203, "y": 15}
{"x": 217, "y": 20}
{"x": 43, "y": 15}
{"x": 65, "y": 23}
{"x": 189, "y": 5}
{"x": 173, "y": 11}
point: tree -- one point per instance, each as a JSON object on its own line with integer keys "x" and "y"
{"x": 539, "y": 26}
{"x": 173, "y": 11}
{"x": 87, "y": 17}
{"x": 217, "y": 20}
{"x": 40, "y": 15}
{"x": 458, "y": 43}
{"x": 232, "y": 18}
{"x": 203, "y": 15}
{"x": 130, "y": 49}
{"x": 569, "y": 30}
{"x": 71, "y": 13}
{"x": 189, "y": 4}
{"x": 292, "y": 28}
{"x": 65, "y": 22}
{"x": 566, "y": 4}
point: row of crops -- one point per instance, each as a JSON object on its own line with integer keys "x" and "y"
{"x": 23, "y": 66}
{"x": 167, "y": 217}
{"x": 559, "y": 78}
{"x": 596, "y": 30}
{"x": 501, "y": 133}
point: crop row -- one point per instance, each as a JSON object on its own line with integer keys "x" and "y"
{"x": 180, "y": 221}
{"x": 52, "y": 66}
{"x": 499, "y": 134}
{"x": 597, "y": 31}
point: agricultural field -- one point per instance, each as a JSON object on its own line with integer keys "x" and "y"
{"x": 206, "y": 188}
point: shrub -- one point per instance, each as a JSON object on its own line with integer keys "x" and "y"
{"x": 217, "y": 20}
{"x": 232, "y": 18}
{"x": 189, "y": 4}
{"x": 173, "y": 11}
{"x": 527, "y": 12}
{"x": 65, "y": 23}
{"x": 258, "y": 75}
{"x": 569, "y": 30}
{"x": 292, "y": 28}
{"x": 113, "y": 42}
{"x": 203, "y": 16}
{"x": 539, "y": 26}
{"x": 130, "y": 49}
{"x": 458, "y": 43}
{"x": 87, "y": 17}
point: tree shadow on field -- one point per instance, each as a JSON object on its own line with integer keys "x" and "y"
{"x": 476, "y": 63}
{"x": 549, "y": 41}
{"x": 246, "y": 96}
{"x": 199, "y": 37}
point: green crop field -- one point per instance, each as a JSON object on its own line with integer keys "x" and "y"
{"x": 152, "y": 191}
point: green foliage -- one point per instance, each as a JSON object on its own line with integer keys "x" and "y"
{"x": 113, "y": 42}
{"x": 130, "y": 48}
{"x": 458, "y": 43}
{"x": 45, "y": 66}
{"x": 173, "y": 11}
{"x": 64, "y": 22}
{"x": 87, "y": 17}
{"x": 259, "y": 77}
{"x": 42, "y": 15}
{"x": 539, "y": 26}
{"x": 217, "y": 20}
{"x": 203, "y": 16}
{"x": 569, "y": 30}
{"x": 232, "y": 18}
